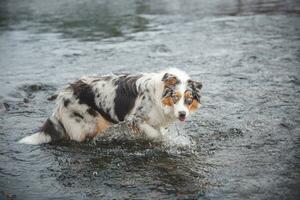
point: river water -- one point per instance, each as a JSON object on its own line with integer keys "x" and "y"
{"x": 242, "y": 144}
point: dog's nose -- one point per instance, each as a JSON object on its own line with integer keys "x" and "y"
{"x": 182, "y": 114}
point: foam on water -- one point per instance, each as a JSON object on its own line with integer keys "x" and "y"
{"x": 177, "y": 136}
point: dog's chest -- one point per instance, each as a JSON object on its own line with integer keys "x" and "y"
{"x": 158, "y": 119}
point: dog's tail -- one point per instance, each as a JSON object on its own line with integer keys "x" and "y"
{"x": 52, "y": 131}
{"x": 36, "y": 138}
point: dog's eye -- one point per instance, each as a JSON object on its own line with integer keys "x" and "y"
{"x": 189, "y": 101}
{"x": 176, "y": 96}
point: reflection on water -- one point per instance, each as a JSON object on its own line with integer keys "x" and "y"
{"x": 94, "y": 20}
{"x": 78, "y": 19}
{"x": 242, "y": 144}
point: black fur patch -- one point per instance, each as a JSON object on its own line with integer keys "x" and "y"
{"x": 167, "y": 92}
{"x": 56, "y": 132}
{"x": 140, "y": 108}
{"x": 85, "y": 94}
{"x": 126, "y": 94}
{"x": 195, "y": 87}
{"x": 170, "y": 77}
{"x": 66, "y": 102}
{"x": 92, "y": 112}
{"x": 76, "y": 114}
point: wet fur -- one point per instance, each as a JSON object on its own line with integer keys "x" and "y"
{"x": 89, "y": 106}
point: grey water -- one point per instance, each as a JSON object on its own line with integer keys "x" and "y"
{"x": 242, "y": 144}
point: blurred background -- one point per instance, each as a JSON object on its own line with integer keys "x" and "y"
{"x": 242, "y": 144}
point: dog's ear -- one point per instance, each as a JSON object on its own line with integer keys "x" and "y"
{"x": 170, "y": 80}
{"x": 196, "y": 87}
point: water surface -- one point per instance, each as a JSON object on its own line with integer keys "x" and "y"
{"x": 242, "y": 144}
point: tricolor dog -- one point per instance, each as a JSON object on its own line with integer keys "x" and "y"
{"x": 152, "y": 101}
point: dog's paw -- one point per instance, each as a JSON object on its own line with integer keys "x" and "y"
{"x": 132, "y": 123}
{"x": 134, "y": 127}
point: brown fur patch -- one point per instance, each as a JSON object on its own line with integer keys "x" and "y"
{"x": 168, "y": 101}
{"x": 101, "y": 125}
{"x": 193, "y": 106}
{"x": 171, "y": 82}
{"x": 178, "y": 94}
{"x": 171, "y": 100}
{"x": 134, "y": 128}
{"x": 178, "y": 97}
{"x": 188, "y": 94}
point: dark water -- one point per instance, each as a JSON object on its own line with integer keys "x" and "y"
{"x": 242, "y": 144}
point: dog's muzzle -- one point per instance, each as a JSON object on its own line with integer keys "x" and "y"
{"x": 182, "y": 115}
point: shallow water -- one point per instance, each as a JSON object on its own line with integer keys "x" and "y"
{"x": 242, "y": 144}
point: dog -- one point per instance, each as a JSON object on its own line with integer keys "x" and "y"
{"x": 89, "y": 106}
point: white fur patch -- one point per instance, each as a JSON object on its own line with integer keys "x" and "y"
{"x": 36, "y": 138}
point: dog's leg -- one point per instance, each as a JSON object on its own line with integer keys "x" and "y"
{"x": 74, "y": 130}
{"x": 133, "y": 123}
{"x": 149, "y": 130}
{"x": 101, "y": 125}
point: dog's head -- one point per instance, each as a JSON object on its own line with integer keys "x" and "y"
{"x": 181, "y": 95}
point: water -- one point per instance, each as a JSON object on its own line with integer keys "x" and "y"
{"x": 242, "y": 144}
